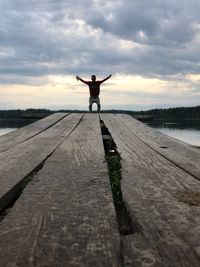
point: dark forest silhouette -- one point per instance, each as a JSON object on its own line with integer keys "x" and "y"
{"x": 169, "y": 113}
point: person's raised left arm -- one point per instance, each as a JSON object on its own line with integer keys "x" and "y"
{"x": 106, "y": 78}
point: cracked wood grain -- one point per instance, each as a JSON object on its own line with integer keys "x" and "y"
{"x": 21, "y": 160}
{"x": 65, "y": 216}
{"x": 183, "y": 155}
{"x": 13, "y": 138}
{"x": 169, "y": 229}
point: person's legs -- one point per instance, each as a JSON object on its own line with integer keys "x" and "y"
{"x": 97, "y": 100}
{"x": 94, "y": 100}
{"x": 99, "y": 107}
{"x": 90, "y": 104}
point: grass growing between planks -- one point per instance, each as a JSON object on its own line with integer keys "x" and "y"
{"x": 114, "y": 171}
{"x": 113, "y": 159}
{"x": 114, "y": 167}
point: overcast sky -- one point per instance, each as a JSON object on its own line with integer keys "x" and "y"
{"x": 151, "y": 47}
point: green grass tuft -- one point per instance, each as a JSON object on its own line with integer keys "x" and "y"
{"x": 114, "y": 167}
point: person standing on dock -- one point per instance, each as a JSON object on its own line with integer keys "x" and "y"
{"x": 94, "y": 87}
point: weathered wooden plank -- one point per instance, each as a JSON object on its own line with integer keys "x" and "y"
{"x": 182, "y": 154}
{"x": 21, "y": 160}
{"x": 29, "y": 131}
{"x": 167, "y": 230}
{"x": 65, "y": 216}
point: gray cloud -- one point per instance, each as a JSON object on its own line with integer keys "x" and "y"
{"x": 44, "y": 37}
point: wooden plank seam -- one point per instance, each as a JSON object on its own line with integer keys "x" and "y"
{"x": 9, "y": 199}
{"x": 43, "y": 130}
{"x": 165, "y": 157}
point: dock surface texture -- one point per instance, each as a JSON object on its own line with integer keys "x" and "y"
{"x": 56, "y": 203}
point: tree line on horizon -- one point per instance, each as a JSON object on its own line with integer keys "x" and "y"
{"x": 177, "y": 113}
{"x": 162, "y": 113}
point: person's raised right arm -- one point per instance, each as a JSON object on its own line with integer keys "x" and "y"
{"x": 79, "y": 79}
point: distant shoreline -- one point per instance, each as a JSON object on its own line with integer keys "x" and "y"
{"x": 162, "y": 113}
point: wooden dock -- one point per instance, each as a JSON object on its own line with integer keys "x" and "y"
{"x": 56, "y": 203}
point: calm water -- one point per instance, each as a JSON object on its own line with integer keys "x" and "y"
{"x": 185, "y": 130}
{"x": 9, "y": 125}
{"x": 6, "y": 130}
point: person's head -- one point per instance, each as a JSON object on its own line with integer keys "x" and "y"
{"x": 93, "y": 78}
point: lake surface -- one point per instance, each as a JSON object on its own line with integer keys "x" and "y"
{"x": 6, "y": 130}
{"x": 185, "y": 130}
{"x": 9, "y": 125}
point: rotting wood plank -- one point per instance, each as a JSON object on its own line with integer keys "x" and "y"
{"x": 180, "y": 153}
{"x": 20, "y": 161}
{"x": 29, "y": 131}
{"x": 166, "y": 230}
{"x": 65, "y": 216}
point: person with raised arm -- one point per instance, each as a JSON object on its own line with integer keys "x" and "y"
{"x": 94, "y": 87}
